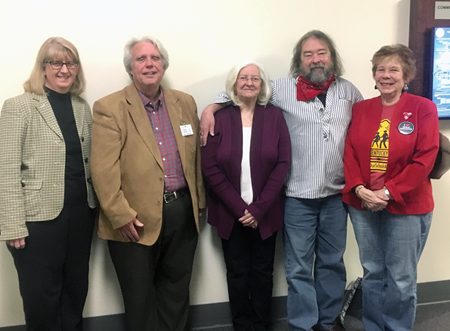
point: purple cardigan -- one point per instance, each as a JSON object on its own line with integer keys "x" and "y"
{"x": 270, "y": 159}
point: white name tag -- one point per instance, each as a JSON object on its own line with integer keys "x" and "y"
{"x": 186, "y": 130}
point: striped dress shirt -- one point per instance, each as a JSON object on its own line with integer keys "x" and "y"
{"x": 317, "y": 136}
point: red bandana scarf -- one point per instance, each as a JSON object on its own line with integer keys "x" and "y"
{"x": 307, "y": 90}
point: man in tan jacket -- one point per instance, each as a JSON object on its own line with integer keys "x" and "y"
{"x": 145, "y": 165}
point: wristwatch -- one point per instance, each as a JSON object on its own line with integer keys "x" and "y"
{"x": 386, "y": 191}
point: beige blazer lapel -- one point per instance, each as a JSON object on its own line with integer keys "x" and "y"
{"x": 142, "y": 122}
{"x": 78, "y": 113}
{"x": 176, "y": 119}
{"x": 45, "y": 109}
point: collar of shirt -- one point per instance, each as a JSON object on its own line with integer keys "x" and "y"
{"x": 148, "y": 103}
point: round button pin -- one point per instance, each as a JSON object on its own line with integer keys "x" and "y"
{"x": 406, "y": 128}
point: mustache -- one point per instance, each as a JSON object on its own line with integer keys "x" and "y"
{"x": 318, "y": 65}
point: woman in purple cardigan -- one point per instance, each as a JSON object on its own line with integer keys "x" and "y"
{"x": 245, "y": 164}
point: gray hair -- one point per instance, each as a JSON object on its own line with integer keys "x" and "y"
{"x": 127, "y": 57}
{"x": 296, "y": 62}
{"x": 266, "y": 88}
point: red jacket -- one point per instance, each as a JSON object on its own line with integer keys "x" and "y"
{"x": 411, "y": 156}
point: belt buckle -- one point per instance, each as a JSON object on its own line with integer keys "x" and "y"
{"x": 169, "y": 197}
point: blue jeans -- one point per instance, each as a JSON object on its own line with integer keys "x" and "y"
{"x": 389, "y": 249}
{"x": 315, "y": 234}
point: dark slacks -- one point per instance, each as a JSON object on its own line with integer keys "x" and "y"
{"x": 155, "y": 279}
{"x": 53, "y": 270}
{"x": 249, "y": 261}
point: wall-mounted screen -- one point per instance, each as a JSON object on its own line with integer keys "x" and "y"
{"x": 440, "y": 79}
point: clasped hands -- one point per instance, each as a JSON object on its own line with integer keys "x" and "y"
{"x": 372, "y": 200}
{"x": 248, "y": 220}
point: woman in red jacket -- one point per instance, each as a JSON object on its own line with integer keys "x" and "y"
{"x": 245, "y": 164}
{"x": 390, "y": 150}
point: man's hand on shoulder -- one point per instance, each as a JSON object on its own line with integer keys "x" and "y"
{"x": 207, "y": 122}
{"x": 129, "y": 231}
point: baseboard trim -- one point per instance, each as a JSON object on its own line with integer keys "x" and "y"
{"x": 433, "y": 292}
{"x": 217, "y": 315}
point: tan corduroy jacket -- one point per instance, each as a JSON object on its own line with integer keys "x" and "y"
{"x": 32, "y": 161}
{"x": 127, "y": 169}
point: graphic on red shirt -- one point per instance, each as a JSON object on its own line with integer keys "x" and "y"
{"x": 380, "y": 148}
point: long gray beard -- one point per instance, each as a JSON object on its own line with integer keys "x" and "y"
{"x": 317, "y": 76}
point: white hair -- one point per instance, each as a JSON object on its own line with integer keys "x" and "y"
{"x": 266, "y": 87}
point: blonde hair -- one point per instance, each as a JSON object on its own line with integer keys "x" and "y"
{"x": 266, "y": 87}
{"x": 52, "y": 48}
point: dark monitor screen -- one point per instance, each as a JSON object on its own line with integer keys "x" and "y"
{"x": 440, "y": 79}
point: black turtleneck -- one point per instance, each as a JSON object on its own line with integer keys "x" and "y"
{"x": 75, "y": 182}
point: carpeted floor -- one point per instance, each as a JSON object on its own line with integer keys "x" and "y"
{"x": 430, "y": 317}
{"x": 433, "y": 317}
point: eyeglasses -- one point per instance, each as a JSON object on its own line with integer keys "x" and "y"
{"x": 58, "y": 64}
{"x": 253, "y": 79}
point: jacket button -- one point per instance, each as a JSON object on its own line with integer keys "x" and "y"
{"x": 82, "y": 139}
{"x": 86, "y": 160}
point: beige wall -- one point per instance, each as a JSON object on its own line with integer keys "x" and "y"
{"x": 204, "y": 39}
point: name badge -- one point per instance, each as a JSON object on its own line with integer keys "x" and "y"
{"x": 406, "y": 128}
{"x": 186, "y": 130}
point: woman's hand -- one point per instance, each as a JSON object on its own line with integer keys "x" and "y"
{"x": 381, "y": 195}
{"x": 16, "y": 243}
{"x": 373, "y": 200}
{"x": 248, "y": 220}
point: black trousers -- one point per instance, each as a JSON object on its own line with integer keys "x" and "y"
{"x": 155, "y": 279}
{"x": 53, "y": 270}
{"x": 249, "y": 261}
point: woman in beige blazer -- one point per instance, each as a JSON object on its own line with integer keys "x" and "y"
{"x": 47, "y": 201}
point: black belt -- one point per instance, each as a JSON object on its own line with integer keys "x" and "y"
{"x": 172, "y": 196}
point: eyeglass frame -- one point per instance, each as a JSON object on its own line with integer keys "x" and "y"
{"x": 70, "y": 65}
{"x": 252, "y": 79}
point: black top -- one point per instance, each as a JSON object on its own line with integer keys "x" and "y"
{"x": 323, "y": 98}
{"x": 75, "y": 191}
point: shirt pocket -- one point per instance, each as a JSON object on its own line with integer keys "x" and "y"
{"x": 342, "y": 112}
{"x": 32, "y": 196}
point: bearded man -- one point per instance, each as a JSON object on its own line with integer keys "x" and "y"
{"x": 317, "y": 104}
